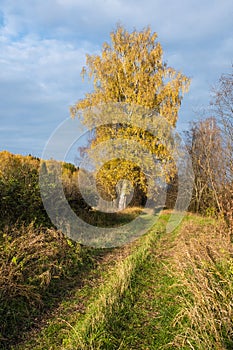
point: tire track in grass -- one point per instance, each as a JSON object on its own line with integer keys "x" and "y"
{"x": 144, "y": 318}
{"x": 91, "y": 332}
{"x": 130, "y": 308}
{"x": 151, "y": 313}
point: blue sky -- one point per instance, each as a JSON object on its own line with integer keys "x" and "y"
{"x": 43, "y": 46}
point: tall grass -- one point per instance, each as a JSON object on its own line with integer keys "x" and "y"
{"x": 33, "y": 261}
{"x": 203, "y": 258}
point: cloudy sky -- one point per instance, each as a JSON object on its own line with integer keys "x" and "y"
{"x": 43, "y": 46}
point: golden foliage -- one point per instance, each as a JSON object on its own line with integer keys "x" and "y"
{"x": 131, "y": 71}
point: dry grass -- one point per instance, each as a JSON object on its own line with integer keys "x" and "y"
{"x": 31, "y": 262}
{"x": 203, "y": 258}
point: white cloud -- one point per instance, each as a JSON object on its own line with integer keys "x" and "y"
{"x": 46, "y": 65}
{"x": 43, "y": 46}
{"x": 39, "y": 80}
{"x": 184, "y": 20}
{"x": 222, "y": 57}
{"x": 176, "y": 20}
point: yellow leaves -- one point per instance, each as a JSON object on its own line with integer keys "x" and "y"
{"x": 117, "y": 169}
{"x": 131, "y": 70}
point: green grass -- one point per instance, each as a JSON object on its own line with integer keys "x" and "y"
{"x": 144, "y": 318}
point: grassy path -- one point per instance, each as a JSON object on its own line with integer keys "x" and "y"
{"x": 144, "y": 319}
{"x": 149, "y": 298}
{"x": 146, "y": 315}
{"x": 130, "y": 297}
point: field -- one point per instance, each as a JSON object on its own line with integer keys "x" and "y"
{"x": 164, "y": 291}
{"x": 161, "y": 291}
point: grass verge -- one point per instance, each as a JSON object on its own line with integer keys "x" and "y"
{"x": 144, "y": 316}
{"x": 204, "y": 264}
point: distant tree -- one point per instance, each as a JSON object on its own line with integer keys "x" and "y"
{"x": 204, "y": 143}
{"x": 222, "y": 105}
{"x": 131, "y": 70}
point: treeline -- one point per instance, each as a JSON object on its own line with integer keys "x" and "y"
{"x": 20, "y": 193}
{"x": 20, "y": 199}
{"x": 210, "y": 145}
{"x": 23, "y": 179}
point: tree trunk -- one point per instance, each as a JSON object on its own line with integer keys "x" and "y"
{"x": 122, "y": 196}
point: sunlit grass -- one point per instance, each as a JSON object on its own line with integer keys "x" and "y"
{"x": 203, "y": 263}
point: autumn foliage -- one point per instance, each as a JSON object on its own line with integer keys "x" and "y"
{"x": 131, "y": 71}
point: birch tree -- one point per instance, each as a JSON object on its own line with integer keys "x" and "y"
{"x": 131, "y": 71}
